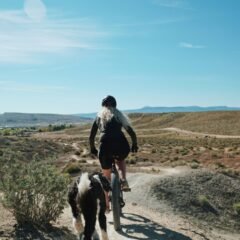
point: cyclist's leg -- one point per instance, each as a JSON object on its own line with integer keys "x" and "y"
{"x": 107, "y": 173}
{"x": 122, "y": 152}
{"x": 122, "y": 169}
{"x": 106, "y": 164}
{"x": 123, "y": 175}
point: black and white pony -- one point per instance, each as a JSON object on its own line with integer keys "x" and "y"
{"x": 86, "y": 197}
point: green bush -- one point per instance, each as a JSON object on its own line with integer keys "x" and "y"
{"x": 194, "y": 165}
{"x": 34, "y": 192}
{"x": 195, "y": 160}
{"x": 72, "y": 168}
{"x": 236, "y": 208}
{"x": 202, "y": 200}
{"x": 205, "y": 204}
{"x": 7, "y": 132}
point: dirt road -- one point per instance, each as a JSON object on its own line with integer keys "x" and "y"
{"x": 146, "y": 218}
{"x": 186, "y": 132}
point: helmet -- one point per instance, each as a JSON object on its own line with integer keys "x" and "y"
{"x": 109, "y": 101}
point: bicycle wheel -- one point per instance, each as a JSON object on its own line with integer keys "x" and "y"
{"x": 116, "y": 209}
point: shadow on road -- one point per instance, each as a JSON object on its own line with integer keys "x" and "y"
{"x": 30, "y": 232}
{"x": 147, "y": 229}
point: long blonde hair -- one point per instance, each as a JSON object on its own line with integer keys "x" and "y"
{"x": 107, "y": 113}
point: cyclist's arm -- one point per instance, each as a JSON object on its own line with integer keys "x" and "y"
{"x": 93, "y": 134}
{"x": 132, "y": 134}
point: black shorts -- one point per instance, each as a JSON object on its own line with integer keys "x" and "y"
{"x": 110, "y": 150}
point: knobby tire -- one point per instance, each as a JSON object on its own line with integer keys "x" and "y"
{"x": 116, "y": 209}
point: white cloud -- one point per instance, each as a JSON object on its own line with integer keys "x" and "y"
{"x": 150, "y": 23}
{"x": 12, "y": 86}
{"x": 189, "y": 45}
{"x": 27, "y": 35}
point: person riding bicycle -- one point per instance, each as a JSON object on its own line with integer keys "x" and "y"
{"x": 113, "y": 143}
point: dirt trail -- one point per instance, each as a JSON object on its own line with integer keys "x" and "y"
{"x": 146, "y": 218}
{"x": 178, "y": 130}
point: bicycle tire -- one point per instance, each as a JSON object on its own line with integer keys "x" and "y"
{"x": 116, "y": 209}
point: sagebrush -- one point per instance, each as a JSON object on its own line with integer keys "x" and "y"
{"x": 34, "y": 192}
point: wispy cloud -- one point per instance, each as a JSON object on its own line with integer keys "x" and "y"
{"x": 29, "y": 33}
{"x": 189, "y": 45}
{"x": 12, "y": 86}
{"x": 183, "y": 4}
{"x": 151, "y": 23}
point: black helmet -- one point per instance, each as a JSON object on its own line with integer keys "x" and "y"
{"x": 109, "y": 101}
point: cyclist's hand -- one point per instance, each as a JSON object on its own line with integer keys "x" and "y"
{"x": 134, "y": 148}
{"x": 94, "y": 151}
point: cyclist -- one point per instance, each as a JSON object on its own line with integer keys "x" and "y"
{"x": 113, "y": 143}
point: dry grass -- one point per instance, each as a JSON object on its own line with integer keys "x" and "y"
{"x": 226, "y": 123}
{"x": 156, "y": 147}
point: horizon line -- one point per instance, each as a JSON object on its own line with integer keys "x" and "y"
{"x": 187, "y": 106}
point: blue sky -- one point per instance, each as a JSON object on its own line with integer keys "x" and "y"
{"x": 59, "y": 56}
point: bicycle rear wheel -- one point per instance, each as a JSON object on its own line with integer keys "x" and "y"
{"x": 115, "y": 200}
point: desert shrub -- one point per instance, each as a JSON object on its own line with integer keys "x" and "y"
{"x": 67, "y": 148}
{"x": 230, "y": 172}
{"x": 7, "y": 132}
{"x": 82, "y": 161}
{"x": 154, "y": 150}
{"x": 220, "y": 165}
{"x": 175, "y": 158}
{"x": 34, "y": 192}
{"x": 205, "y": 204}
{"x": 195, "y": 160}
{"x": 131, "y": 161}
{"x": 155, "y": 169}
{"x": 202, "y": 200}
{"x": 236, "y": 208}
{"x": 72, "y": 168}
{"x": 194, "y": 165}
{"x": 214, "y": 155}
{"x": 57, "y": 127}
{"x": 77, "y": 152}
{"x": 184, "y": 152}
{"x": 53, "y": 128}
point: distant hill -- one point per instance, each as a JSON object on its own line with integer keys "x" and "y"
{"x": 182, "y": 109}
{"x": 214, "y": 122}
{"x": 12, "y": 119}
{"x": 87, "y": 115}
{"x": 38, "y": 119}
{"x": 148, "y": 109}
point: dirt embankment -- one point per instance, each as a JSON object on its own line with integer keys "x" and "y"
{"x": 207, "y": 197}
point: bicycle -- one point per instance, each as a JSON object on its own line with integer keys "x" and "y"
{"x": 116, "y": 197}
